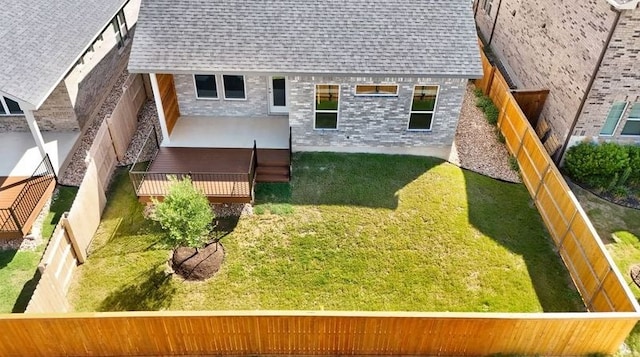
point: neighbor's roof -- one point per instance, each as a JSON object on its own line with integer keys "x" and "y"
{"x": 377, "y": 37}
{"x": 40, "y": 40}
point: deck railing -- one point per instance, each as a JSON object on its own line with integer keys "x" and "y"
{"x": 14, "y": 218}
{"x": 290, "y": 153}
{"x": 212, "y": 184}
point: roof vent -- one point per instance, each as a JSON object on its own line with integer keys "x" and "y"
{"x": 624, "y": 4}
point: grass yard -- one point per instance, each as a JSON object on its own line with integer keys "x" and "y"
{"x": 351, "y": 232}
{"x": 18, "y": 268}
{"x": 619, "y": 228}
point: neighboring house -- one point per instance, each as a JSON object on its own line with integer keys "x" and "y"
{"x": 350, "y": 76}
{"x": 586, "y": 53}
{"x": 58, "y": 62}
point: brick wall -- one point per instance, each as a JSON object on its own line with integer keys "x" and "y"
{"x": 553, "y": 45}
{"x": 617, "y": 80}
{"x": 375, "y": 124}
{"x": 254, "y": 106}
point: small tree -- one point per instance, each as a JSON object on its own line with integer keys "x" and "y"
{"x": 185, "y": 213}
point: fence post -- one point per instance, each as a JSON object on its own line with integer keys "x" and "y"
{"x": 566, "y": 233}
{"x": 542, "y": 178}
{"x": 526, "y": 131}
{"x": 81, "y": 255}
{"x": 599, "y": 290}
{"x": 491, "y": 75}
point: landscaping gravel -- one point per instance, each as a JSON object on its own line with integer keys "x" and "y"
{"x": 74, "y": 173}
{"x": 147, "y": 119}
{"x": 476, "y": 143}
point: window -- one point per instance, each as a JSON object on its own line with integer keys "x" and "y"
{"x": 206, "y": 86}
{"x": 611, "y": 123}
{"x": 326, "y": 106}
{"x": 422, "y": 107}
{"x": 486, "y": 6}
{"x": 119, "y": 24}
{"x": 377, "y": 90}
{"x": 9, "y": 107}
{"x": 233, "y": 87}
{"x": 632, "y": 126}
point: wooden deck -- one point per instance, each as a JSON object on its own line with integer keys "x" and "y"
{"x": 10, "y": 188}
{"x": 222, "y": 174}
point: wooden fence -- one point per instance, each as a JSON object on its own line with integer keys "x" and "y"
{"x": 74, "y": 232}
{"x": 593, "y": 271}
{"x": 311, "y": 333}
{"x": 121, "y": 126}
{"x": 614, "y": 310}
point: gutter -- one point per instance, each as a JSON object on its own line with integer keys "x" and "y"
{"x": 560, "y": 154}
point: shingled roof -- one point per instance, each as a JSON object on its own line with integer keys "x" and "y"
{"x": 372, "y": 37}
{"x": 40, "y": 40}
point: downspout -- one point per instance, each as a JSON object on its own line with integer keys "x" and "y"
{"x": 495, "y": 22}
{"x": 558, "y": 158}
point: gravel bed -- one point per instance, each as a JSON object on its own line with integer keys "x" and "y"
{"x": 74, "y": 173}
{"x": 477, "y": 145}
{"x": 147, "y": 119}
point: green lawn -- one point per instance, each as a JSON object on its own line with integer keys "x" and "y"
{"x": 619, "y": 228}
{"x": 18, "y": 268}
{"x": 351, "y": 232}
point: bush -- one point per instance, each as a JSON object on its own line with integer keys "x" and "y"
{"x": 185, "y": 213}
{"x": 597, "y": 165}
{"x": 492, "y": 113}
{"x": 478, "y": 92}
{"x": 483, "y": 102}
{"x": 634, "y": 164}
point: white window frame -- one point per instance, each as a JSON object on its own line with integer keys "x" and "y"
{"x": 629, "y": 118}
{"x": 224, "y": 90}
{"x": 120, "y": 28}
{"x": 615, "y": 129}
{"x": 433, "y": 112}
{"x": 195, "y": 87}
{"x": 5, "y": 107}
{"x": 337, "y": 111}
{"x": 355, "y": 90}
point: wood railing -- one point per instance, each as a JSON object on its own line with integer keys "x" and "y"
{"x": 14, "y": 218}
{"x": 212, "y": 184}
{"x": 290, "y": 153}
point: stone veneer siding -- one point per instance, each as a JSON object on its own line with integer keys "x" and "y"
{"x": 553, "y": 45}
{"x": 374, "y": 122}
{"x": 618, "y": 79}
{"x": 254, "y": 106}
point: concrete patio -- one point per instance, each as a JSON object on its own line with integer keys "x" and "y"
{"x": 20, "y": 155}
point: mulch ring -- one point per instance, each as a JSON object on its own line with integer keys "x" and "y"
{"x": 200, "y": 265}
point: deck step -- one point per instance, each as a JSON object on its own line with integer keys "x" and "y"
{"x": 273, "y": 170}
{"x": 272, "y": 178}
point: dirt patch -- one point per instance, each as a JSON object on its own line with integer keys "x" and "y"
{"x": 198, "y": 266}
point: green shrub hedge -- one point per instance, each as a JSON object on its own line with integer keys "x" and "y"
{"x": 605, "y": 166}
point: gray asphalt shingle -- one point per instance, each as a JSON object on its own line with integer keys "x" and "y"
{"x": 376, "y": 37}
{"x": 41, "y": 39}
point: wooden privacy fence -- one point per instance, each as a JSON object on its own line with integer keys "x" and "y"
{"x": 613, "y": 309}
{"x": 122, "y": 122}
{"x": 602, "y": 287}
{"x": 74, "y": 233}
{"x": 311, "y": 333}
{"x": 56, "y": 270}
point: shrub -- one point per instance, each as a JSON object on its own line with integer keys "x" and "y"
{"x": 596, "y": 165}
{"x": 492, "y": 113}
{"x": 478, "y": 92}
{"x": 513, "y": 163}
{"x": 185, "y": 213}
{"x": 483, "y": 102}
{"x": 634, "y": 163}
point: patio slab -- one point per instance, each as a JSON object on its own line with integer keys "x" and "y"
{"x": 20, "y": 155}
